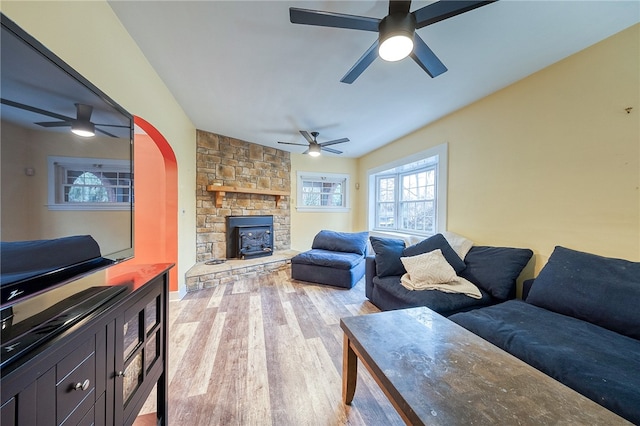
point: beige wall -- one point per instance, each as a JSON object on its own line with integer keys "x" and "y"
{"x": 551, "y": 160}
{"x": 16, "y": 213}
{"x": 305, "y": 225}
{"x": 89, "y": 37}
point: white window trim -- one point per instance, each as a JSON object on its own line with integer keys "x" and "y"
{"x": 440, "y": 151}
{"x": 71, "y": 162}
{"x": 322, "y": 176}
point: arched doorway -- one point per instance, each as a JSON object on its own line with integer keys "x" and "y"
{"x": 156, "y": 200}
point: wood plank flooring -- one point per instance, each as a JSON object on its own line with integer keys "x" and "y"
{"x": 267, "y": 351}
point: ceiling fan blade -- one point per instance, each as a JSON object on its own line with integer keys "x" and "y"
{"x": 330, "y": 19}
{"x": 367, "y": 59}
{"x": 334, "y": 142}
{"x": 335, "y": 151}
{"x": 291, "y": 143}
{"x": 306, "y": 152}
{"x": 443, "y": 9}
{"x": 36, "y": 110}
{"x": 112, "y": 125}
{"x": 53, "y": 123}
{"x": 399, "y": 6}
{"x": 106, "y": 133}
{"x": 425, "y": 57}
{"x": 307, "y": 136}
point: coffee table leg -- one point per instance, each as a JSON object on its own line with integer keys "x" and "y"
{"x": 349, "y": 371}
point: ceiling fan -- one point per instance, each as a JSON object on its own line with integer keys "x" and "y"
{"x": 314, "y": 146}
{"x": 397, "y": 37}
{"x": 81, "y": 125}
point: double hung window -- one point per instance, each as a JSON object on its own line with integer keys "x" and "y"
{"x": 408, "y": 196}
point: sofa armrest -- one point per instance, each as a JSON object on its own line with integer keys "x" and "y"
{"x": 526, "y": 288}
{"x": 369, "y": 273}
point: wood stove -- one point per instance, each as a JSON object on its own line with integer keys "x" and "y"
{"x": 249, "y": 236}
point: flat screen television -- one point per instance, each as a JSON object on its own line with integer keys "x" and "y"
{"x": 66, "y": 197}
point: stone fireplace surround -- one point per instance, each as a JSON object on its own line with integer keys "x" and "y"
{"x": 225, "y": 161}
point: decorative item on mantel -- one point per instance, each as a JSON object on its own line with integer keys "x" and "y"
{"x": 219, "y": 191}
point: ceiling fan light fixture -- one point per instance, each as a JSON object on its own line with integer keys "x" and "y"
{"x": 314, "y": 150}
{"x": 86, "y": 129}
{"x": 396, "y": 37}
{"x": 395, "y": 48}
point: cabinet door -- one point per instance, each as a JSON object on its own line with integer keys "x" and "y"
{"x": 8, "y": 413}
{"x": 24, "y": 408}
{"x": 139, "y": 341}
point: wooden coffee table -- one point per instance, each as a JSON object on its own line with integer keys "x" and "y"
{"x": 435, "y": 372}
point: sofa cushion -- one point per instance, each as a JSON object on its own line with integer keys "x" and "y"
{"x": 348, "y": 242}
{"x": 601, "y": 290}
{"x": 495, "y": 269}
{"x": 458, "y": 243}
{"x": 435, "y": 242}
{"x": 387, "y": 253}
{"x": 319, "y": 257}
{"x": 388, "y": 294}
{"x": 598, "y": 363}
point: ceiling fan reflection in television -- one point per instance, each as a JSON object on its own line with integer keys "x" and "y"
{"x": 397, "y": 37}
{"x": 81, "y": 125}
{"x": 315, "y": 147}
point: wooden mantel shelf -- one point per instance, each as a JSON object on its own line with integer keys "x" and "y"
{"x": 220, "y": 191}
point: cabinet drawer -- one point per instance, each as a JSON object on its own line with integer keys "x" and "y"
{"x": 75, "y": 384}
{"x": 88, "y": 419}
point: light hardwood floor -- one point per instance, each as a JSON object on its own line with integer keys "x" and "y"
{"x": 267, "y": 351}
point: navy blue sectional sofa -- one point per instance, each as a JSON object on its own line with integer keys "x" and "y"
{"x": 493, "y": 270}
{"x": 335, "y": 258}
{"x": 579, "y": 323}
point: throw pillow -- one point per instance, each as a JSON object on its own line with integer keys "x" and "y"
{"x": 431, "y": 271}
{"x": 387, "y": 252}
{"x": 495, "y": 269}
{"x": 601, "y": 290}
{"x": 438, "y": 241}
{"x": 458, "y": 243}
{"x": 431, "y": 267}
{"x": 348, "y": 242}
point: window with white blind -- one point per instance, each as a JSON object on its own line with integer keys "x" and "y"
{"x": 322, "y": 191}
{"x": 89, "y": 184}
{"x": 409, "y": 195}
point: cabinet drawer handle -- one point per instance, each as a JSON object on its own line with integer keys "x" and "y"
{"x": 82, "y": 386}
{"x": 120, "y": 374}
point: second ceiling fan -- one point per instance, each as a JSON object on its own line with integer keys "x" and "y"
{"x": 397, "y": 37}
{"x": 314, "y": 146}
{"x": 81, "y": 125}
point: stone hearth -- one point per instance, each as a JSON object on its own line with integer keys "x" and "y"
{"x": 202, "y": 275}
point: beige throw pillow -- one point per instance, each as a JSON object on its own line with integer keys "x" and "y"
{"x": 431, "y": 271}
{"x": 429, "y": 267}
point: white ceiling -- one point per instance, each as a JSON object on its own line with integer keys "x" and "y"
{"x": 241, "y": 69}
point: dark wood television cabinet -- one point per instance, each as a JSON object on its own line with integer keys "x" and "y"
{"x": 103, "y": 368}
